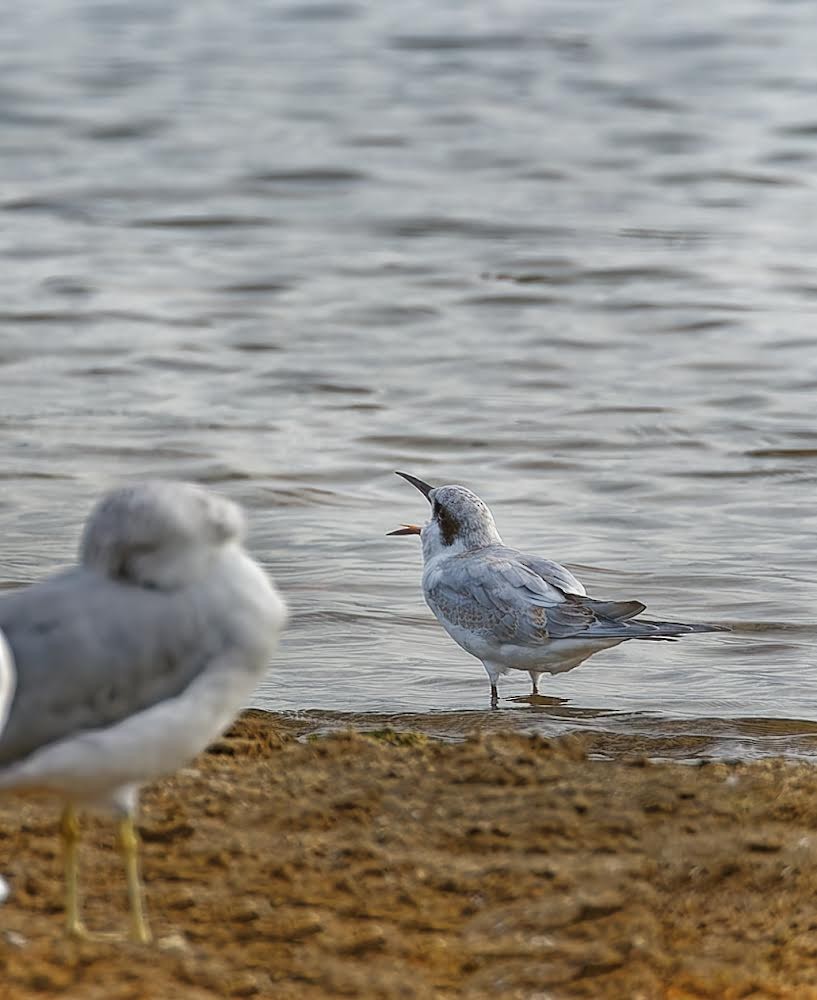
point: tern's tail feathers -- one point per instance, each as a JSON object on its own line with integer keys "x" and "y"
{"x": 642, "y": 629}
{"x": 580, "y": 615}
{"x": 615, "y": 610}
{"x": 670, "y": 629}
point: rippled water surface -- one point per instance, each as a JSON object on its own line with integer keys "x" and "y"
{"x": 564, "y": 253}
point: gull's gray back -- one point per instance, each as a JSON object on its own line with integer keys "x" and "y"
{"x": 89, "y": 652}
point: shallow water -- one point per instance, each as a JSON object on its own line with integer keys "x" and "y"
{"x": 565, "y": 255}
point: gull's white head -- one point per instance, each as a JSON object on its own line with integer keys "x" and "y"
{"x": 159, "y": 534}
{"x": 459, "y": 520}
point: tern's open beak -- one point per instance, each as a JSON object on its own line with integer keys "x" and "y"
{"x": 407, "y": 529}
{"x": 424, "y": 488}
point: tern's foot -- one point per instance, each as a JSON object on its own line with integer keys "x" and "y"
{"x": 494, "y": 697}
{"x": 540, "y": 699}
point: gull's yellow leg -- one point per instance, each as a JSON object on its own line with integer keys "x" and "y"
{"x": 129, "y": 843}
{"x": 69, "y": 831}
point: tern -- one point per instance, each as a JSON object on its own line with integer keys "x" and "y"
{"x": 509, "y": 609}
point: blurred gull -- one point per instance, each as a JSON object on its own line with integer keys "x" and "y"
{"x": 124, "y": 667}
{"x": 6, "y": 680}
{"x": 6, "y": 693}
{"x": 511, "y": 610}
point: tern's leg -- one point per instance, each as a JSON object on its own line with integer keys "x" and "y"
{"x": 493, "y": 674}
{"x": 69, "y": 832}
{"x": 129, "y": 845}
{"x": 535, "y": 681}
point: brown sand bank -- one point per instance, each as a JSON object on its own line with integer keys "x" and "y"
{"x": 505, "y": 866}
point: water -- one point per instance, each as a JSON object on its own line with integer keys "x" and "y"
{"x": 563, "y": 253}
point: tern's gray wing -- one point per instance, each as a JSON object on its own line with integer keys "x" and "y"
{"x": 493, "y": 594}
{"x": 497, "y": 595}
{"x": 90, "y": 651}
{"x": 551, "y": 572}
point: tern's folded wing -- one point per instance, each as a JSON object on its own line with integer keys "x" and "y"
{"x": 551, "y": 572}
{"x": 495, "y": 597}
{"x": 509, "y": 602}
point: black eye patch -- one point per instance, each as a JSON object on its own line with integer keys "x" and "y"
{"x": 449, "y": 525}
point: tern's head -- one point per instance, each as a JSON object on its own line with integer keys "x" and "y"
{"x": 459, "y": 520}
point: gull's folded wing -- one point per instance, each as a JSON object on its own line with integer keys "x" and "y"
{"x": 89, "y": 651}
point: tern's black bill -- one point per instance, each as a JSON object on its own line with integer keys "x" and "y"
{"x": 407, "y": 529}
{"x": 424, "y": 488}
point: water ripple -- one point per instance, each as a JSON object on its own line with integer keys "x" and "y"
{"x": 567, "y": 261}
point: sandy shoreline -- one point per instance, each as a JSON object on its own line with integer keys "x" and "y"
{"x": 505, "y": 866}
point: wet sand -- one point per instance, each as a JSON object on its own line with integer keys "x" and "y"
{"x": 396, "y": 866}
